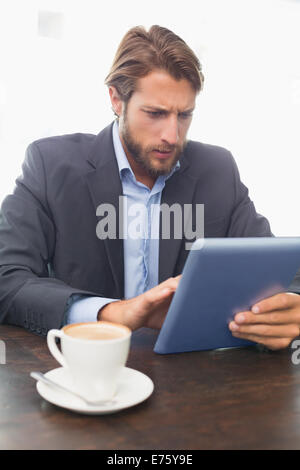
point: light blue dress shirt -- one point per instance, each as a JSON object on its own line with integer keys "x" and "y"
{"x": 141, "y": 238}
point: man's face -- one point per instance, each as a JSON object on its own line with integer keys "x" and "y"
{"x": 154, "y": 123}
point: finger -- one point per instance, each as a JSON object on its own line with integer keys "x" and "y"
{"x": 271, "y": 343}
{"x": 275, "y": 331}
{"x": 155, "y": 296}
{"x": 272, "y": 318}
{"x": 171, "y": 283}
{"x": 282, "y": 301}
{"x": 160, "y": 293}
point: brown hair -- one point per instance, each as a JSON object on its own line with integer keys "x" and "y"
{"x": 140, "y": 52}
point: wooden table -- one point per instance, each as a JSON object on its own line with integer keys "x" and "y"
{"x": 234, "y": 399}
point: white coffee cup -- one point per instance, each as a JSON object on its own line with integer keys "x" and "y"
{"x": 94, "y": 353}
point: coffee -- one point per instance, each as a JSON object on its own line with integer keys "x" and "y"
{"x": 94, "y": 353}
{"x": 96, "y": 331}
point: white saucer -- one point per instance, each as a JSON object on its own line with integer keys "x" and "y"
{"x": 134, "y": 387}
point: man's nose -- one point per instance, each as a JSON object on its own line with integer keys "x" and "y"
{"x": 170, "y": 130}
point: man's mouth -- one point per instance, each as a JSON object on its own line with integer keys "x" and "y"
{"x": 163, "y": 154}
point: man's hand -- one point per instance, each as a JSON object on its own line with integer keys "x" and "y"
{"x": 148, "y": 309}
{"x": 273, "y": 322}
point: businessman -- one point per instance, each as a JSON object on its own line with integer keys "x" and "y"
{"x": 59, "y": 265}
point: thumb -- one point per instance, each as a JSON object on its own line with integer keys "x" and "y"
{"x": 166, "y": 291}
{"x": 154, "y": 296}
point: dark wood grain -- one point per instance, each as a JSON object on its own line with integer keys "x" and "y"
{"x": 234, "y": 399}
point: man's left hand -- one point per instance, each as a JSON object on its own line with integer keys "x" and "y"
{"x": 273, "y": 322}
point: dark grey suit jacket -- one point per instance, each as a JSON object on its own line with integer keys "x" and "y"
{"x": 48, "y": 244}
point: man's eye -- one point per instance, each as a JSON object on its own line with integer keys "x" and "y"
{"x": 185, "y": 115}
{"x": 158, "y": 114}
{"x": 155, "y": 114}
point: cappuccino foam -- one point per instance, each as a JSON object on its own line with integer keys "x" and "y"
{"x": 95, "y": 331}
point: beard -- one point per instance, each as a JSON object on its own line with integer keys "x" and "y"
{"x": 142, "y": 155}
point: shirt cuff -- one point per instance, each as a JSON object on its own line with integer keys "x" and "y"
{"x": 86, "y": 309}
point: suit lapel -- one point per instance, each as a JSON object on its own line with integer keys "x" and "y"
{"x": 105, "y": 187}
{"x": 179, "y": 189}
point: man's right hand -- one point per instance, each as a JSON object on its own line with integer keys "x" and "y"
{"x": 148, "y": 309}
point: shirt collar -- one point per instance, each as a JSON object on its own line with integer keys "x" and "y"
{"x": 122, "y": 161}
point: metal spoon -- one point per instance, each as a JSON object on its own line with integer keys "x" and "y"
{"x": 42, "y": 378}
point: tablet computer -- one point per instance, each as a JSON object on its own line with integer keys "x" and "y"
{"x": 221, "y": 277}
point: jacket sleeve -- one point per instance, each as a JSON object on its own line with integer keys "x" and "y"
{"x": 245, "y": 221}
{"x": 29, "y": 296}
{"x": 295, "y": 285}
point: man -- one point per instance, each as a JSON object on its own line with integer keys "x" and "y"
{"x": 56, "y": 268}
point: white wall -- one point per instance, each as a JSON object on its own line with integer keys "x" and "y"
{"x": 52, "y": 70}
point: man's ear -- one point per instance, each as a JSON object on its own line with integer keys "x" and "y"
{"x": 116, "y": 102}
